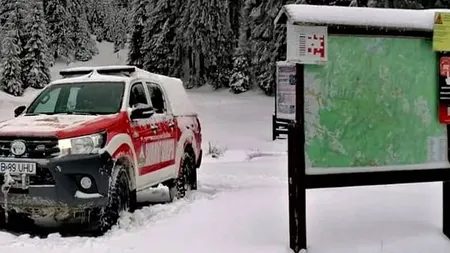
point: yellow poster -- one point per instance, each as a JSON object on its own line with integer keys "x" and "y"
{"x": 441, "y": 32}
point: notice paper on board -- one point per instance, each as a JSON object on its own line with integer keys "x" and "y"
{"x": 285, "y": 91}
{"x": 441, "y": 32}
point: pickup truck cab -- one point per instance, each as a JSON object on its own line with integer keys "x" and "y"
{"x": 88, "y": 143}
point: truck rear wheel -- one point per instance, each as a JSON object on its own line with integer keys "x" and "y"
{"x": 187, "y": 178}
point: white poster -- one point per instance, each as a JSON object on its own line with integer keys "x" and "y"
{"x": 285, "y": 92}
{"x": 307, "y": 44}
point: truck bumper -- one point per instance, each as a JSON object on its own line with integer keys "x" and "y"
{"x": 55, "y": 193}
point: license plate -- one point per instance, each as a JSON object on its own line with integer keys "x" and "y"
{"x": 18, "y": 168}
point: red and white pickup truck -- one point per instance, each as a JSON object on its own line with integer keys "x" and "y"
{"x": 87, "y": 143}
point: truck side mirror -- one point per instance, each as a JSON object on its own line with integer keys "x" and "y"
{"x": 19, "y": 110}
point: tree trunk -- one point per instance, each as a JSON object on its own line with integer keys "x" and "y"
{"x": 201, "y": 65}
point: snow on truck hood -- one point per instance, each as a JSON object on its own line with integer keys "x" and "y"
{"x": 55, "y": 125}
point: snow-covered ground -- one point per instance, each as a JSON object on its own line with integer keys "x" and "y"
{"x": 241, "y": 205}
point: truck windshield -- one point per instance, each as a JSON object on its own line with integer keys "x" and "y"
{"x": 79, "y": 98}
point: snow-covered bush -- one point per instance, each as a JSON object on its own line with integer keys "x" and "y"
{"x": 194, "y": 81}
{"x": 240, "y": 80}
{"x": 214, "y": 151}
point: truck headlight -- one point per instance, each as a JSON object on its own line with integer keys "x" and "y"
{"x": 89, "y": 144}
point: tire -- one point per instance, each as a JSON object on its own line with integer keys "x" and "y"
{"x": 2, "y": 218}
{"x": 194, "y": 178}
{"x": 187, "y": 178}
{"x": 120, "y": 200}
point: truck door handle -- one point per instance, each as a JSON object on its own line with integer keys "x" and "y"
{"x": 171, "y": 124}
{"x": 154, "y": 128}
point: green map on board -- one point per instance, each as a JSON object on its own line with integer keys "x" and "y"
{"x": 373, "y": 104}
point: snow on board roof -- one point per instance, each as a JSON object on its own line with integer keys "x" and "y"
{"x": 173, "y": 87}
{"x": 419, "y": 20}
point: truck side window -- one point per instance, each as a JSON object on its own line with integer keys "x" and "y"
{"x": 137, "y": 95}
{"x": 157, "y": 98}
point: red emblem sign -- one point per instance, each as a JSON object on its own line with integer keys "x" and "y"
{"x": 444, "y": 114}
{"x": 444, "y": 90}
{"x": 444, "y": 66}
{"x": 316, "y": 45}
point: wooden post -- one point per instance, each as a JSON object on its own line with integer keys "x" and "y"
{"x": 446, "y": 183}
{"x": 274, "y": 127}
{"x": 446, "y": 208}
{"x": 296, "y": 170}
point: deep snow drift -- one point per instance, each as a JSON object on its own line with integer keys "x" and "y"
{"x": 241, "y": 205}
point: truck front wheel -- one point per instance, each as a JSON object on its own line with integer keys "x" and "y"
{"x": 119, "y": 200}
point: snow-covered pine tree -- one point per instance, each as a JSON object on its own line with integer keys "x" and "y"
{"x": 407, "y": 4}
{"x": 10, "y": 80}
{"x": 91, "y": 15}
{"x": 206, "y": 32}
{"x": 23, "y": 8}
{"x": 240, "y": 78}
{"x": 59, "y": 27}
{"x": 99, "y": 17}
{"x": 279, "y": 53}
{"x": 262, "y": 15}
{"x": 265, "y": 41}
{"x": 111, "y": 11}
{"x": 428, "y": 4}
{"x": 159, "y": 38}
{"x": 6, "y": 6}
{"x": 135, "y": 44}
{"x": 36, "y": 61}
{"x": 179, "y": 53}
{"x": 354, "y": 3}
{"x": 123, "y": 4}
{"x": 119, "y": 29}
{"x": 396, "y": 4}
{"x": 20, "y": 9}
{"x": 85, "y": 46}
{"x": 235, "y": 10}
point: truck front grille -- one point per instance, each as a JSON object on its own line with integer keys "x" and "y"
{"x": 36, "y": 147}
